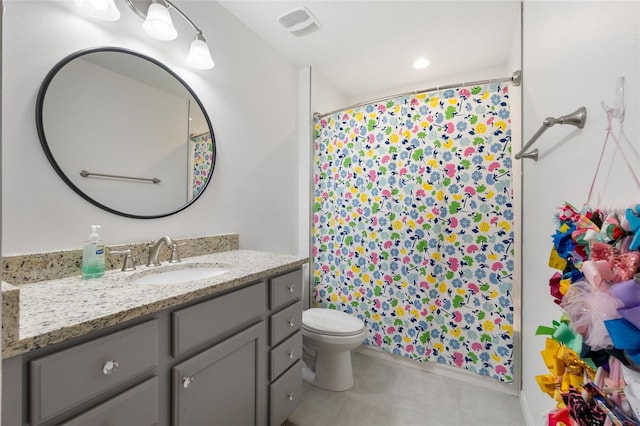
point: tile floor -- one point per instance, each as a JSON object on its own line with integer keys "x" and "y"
{"x": 389, "y": 394}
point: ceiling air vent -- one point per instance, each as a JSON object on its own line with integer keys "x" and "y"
{"x": 299, "y": 22}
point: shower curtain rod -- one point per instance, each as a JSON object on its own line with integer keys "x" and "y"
{"x": 515, "y": 78}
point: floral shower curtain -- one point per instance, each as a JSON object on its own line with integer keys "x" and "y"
{"x": 202, "y": 161}
{"x": 413, "y": 225}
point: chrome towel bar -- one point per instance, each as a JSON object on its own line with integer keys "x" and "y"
{"x": 85, "y": 174}
{"x": 576, "y": 118}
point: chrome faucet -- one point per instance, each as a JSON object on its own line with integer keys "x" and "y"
{"x": 154, "y": 249}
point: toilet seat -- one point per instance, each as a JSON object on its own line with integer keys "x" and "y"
{"x": 331, "y": 322}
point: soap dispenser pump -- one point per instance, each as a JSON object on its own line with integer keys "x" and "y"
{"x": 93, "y": 255}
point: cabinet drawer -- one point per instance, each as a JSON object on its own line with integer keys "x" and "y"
{"x": 137, "y": 406}
{"x": 72, "y": 376}
{"x": 285, "y": 394}
{"x": 285, "y": 288}
{"x": 285, "y": 323}
{"x": 285, "y": 354}
{"x": 197, "y": 324}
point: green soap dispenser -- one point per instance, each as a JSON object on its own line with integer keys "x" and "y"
{"x": 93, "y": 255}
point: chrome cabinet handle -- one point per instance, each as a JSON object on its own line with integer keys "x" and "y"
{"x": 186, "y": 382}
{"x": 290, "y": 396}
{"x": 292, "y": 288}
{"x": 291, "y": 323}
{"x": 109, "y": 367}
{"x": 291, "y": 354}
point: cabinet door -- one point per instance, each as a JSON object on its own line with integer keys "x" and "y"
{"x": 224, "y": 385}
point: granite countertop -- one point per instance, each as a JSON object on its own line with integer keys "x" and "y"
{"x": 56, "y": 310}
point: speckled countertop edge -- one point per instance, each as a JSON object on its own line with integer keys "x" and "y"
{"x": 57, "y": 310}
{"x": 10, "y": 312}
{"x": 31, "y": 268}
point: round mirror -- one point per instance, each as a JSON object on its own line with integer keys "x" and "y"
{"x": 125, "y": 132}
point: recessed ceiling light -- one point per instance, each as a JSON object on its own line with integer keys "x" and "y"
{"x": 420, "y": 63}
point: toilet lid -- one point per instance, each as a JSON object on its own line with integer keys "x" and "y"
{"x": 331, "y": 322}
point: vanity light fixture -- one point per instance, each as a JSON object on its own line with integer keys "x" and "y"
{"x": 157, "y": 23}
{"x": 100, "y": 9}
{"x": 199, "y": 56}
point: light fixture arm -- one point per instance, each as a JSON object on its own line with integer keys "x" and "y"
{"x": 159, "y": 25}
{"x": 168, "y": 4}
{"x": 137, "y": 11}
{"x": 181, "y": 13}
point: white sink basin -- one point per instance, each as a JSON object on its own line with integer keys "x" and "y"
{"x": 178, "y": 276}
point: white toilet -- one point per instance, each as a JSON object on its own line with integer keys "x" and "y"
{"x": 328, "y": 336}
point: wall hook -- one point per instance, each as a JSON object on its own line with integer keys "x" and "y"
{"x": 618, "y": 110}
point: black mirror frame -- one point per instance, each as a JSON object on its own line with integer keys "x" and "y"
{"x": 45, "y": 145}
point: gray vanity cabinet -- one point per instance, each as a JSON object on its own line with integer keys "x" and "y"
{"x": 285, "y": 339}
{"x": 224, "y": 385}
{"x": 232, "y": 360}
{"x": 73, "y": 376}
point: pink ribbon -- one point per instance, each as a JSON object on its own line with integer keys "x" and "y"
{"x": 624, "y": 266}
{"x": 597, "y": 271}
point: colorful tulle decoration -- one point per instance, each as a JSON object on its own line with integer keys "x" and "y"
{"x": 596, "y": 258}
{"x": 588, "y": 307}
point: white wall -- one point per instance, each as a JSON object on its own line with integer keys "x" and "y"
{"x": 1, "y": 93}
{"x": 515, "y": 100}
{"x": 316, "y": 95}
{"x": 573, "y": 53}
{"x": 324, "y": 96}
{"x": 468, "y": 75}
{"x": 251, "y": 99}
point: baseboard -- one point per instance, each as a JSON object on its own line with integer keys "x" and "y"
{"x": 526, "y": 412}
{"x": 441, "y": 370}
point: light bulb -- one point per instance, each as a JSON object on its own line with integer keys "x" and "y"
{"x": 420, "y": 63}
{"x": 99, "y": 4}
{"x": 158, "y": 23}
{"x": 199, "y": 56}
{"x": 105, "y": 10}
